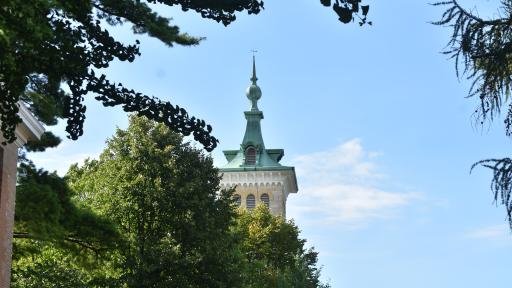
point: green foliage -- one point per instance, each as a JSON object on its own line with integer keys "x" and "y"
{"x": 46, "y": 212}
{"x": 45, "y": 43}
{"x": 47, "y": 140}
{"x": 57, "y": 243}
{"x": 47, "y": 271}
{"x": 162, "y": 194}
{"x": 48, "y": 266}
{"x": 168, "y": 224}
{"x": 274, "y": 255}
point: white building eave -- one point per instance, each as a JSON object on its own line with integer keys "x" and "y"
{"x": 29, "y": 129}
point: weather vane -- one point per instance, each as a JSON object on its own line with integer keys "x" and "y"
{"x": 254, "y": 51}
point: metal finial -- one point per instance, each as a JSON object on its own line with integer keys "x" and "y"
{"x": 254, "y": 78}
{"x": 253, "y": 92}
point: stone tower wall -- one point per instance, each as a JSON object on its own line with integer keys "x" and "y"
{"x": 277, "y": 184}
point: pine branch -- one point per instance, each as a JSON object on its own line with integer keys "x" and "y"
{"x": 483, "y": 48}
{"x": 501, "y": 184}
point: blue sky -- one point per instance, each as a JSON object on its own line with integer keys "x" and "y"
{"x": 373, "y": 118}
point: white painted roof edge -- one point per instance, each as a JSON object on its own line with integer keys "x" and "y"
{"x": 30, "y": 128}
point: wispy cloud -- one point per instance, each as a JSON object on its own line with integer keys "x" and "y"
{"x": 342, "y": 185}
{"x": 346, "y": 161}
{"x": 493, "y": 232}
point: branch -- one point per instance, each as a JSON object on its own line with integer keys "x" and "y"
{"x": 483, "y": 48}
{"x": 79, "y": 242}
{"x": 500, "y": 21}
{"x": 501, "y": 183}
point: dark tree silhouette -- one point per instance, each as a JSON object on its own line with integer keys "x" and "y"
{"x": 483, "y": 49}
{"x": 46, "y": 43}
{"x": 501, "y": 183}
{"x": 348, "y": 10}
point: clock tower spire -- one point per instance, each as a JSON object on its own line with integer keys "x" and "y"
{"x": 255, "y": 170}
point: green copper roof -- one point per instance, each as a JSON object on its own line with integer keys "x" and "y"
{"x": 264, "y": 159}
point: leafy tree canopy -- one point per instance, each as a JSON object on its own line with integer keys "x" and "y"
{"x": 274, "y": 254}
{"x": 170, "y": 225}
{"x": 57, "y": 241}
{"x": 162, "y": 194}
{"x": 45, "y": 212}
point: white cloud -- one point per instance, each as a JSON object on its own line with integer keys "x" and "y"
{"x": 493, "y": 232}
{"x": 347, "y": 162}
{"x": 341, "y": 185}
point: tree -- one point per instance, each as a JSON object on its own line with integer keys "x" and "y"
{"x": 48, "y": 213}
{"x": 50, "y": 52}
{"x": 57, "y": 243}
{"x": 44, "y": 44}
{"x": 162, "y": 194}
{"x": 274, "y": 255}
{"x": 169, "y": 225}
{"x": 483, "y": 48}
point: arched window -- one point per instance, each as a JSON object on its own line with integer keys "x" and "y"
{"x": 250, "y": 156}
{"x": 265, "y": 199}
{"x": 250, "y": 202}
{"x": 237, "y": 199}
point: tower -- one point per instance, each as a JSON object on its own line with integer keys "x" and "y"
{"x": 254, "y": 170}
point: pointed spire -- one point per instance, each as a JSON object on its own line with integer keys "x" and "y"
{"x": 253, "y": 92}
{"x": 252, "y": 154}
{"x": 254, "y": 78}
